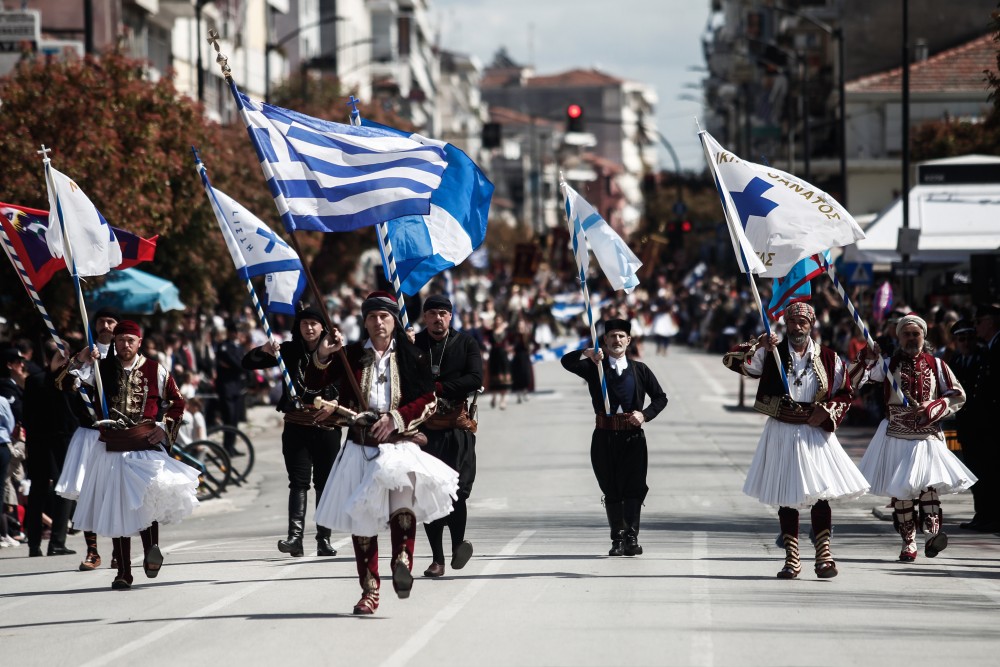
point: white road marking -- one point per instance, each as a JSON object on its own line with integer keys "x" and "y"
{"x": 405, "y": 653}
{"x": 701, "y": 611}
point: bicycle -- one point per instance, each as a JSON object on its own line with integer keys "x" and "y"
{"x": 242, "y": 459}
{"x": 211, "y": 462}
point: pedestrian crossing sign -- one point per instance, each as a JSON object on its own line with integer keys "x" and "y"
{"x": 858, "y": 273}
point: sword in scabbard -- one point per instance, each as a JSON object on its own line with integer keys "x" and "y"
{"x": 473, "y": 408}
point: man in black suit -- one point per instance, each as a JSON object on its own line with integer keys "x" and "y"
{"x": 983, "y": 404}
{"x": 618, "y": 451}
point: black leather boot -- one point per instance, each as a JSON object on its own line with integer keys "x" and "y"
{"x": 323, "y": 546}
{"x": 616, "y": 520}
{"x": 296, "y": 523}
{"x": 633, "y": 508}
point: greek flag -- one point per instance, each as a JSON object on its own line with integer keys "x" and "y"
{"x": 617, "y": 260}
{"x": 256, "y": 250}
{"x": 425, "y": 245}
{"x": 331, "y": 177}
{"x": 775, "y": 219}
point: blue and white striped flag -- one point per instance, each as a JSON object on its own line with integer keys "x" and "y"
{"x": 256, "y": 250}
{"x": 617, "y": 260}
{"x": 424, "y": 246}
{"x": 331, "y": 177}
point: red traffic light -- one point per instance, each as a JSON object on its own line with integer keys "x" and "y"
{"x": 574, "y": 111}
{"x": 686, "y": 226}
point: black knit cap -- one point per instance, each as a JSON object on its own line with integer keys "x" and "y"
{"x": 309, "y": 313}
{"x": 438, "y": 302}
{"x": 618, "y": 325}
{"x": 110, "y": 313}
{"x": 379, "y": 301}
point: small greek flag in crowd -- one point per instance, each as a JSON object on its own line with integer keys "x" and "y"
{"x": 89, "y": 240}
{"x": 331, "y": 177}
{"x": 555, "y": 353}
{"x": 256, "y": 250}
{"x": 617, "y": 260}
{"x": 425, "y": 245}
{"x": 775, "y": 219}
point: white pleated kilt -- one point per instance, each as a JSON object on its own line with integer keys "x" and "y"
{"x": 75, "y": 466}
{"x": 796, "y": 465}
{"x": 356, "y": 497}
{"x": 899, "y": 468}
{"x": 125, "y": 492}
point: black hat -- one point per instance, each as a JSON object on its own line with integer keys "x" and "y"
{"x": 380, "y": 301}
{"x": 309, "y": 313}
{"x": 9, "y": 354}
{"x": 438, "y": 302}
{"x": 962, "y": 326}
{"x": 618, "y": 325}
{"x": 988, "y": 310}
{"x": 110, "y": 313}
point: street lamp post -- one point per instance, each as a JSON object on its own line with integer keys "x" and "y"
{"x": 330, "y": 18}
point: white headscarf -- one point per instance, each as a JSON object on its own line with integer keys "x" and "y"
{"x": 912, "y": 318}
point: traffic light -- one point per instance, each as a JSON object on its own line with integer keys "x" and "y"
{"x": 574, "y": 118}
{"x": 678, "y": 230}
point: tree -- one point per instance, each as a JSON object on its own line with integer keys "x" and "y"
{"x": 127, "y": 142}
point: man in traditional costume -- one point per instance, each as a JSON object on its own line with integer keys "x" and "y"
{"x": 309, "y": 441}
{"x": 618, "y": 450}
{"x": 457, "y": 371}
{"x": 908, "y": 459}
{"x": 132, "y": 483}
{"x": 381, "y": 475}
{"x": 799, "y": 462}
{"x": 86, "y": 436}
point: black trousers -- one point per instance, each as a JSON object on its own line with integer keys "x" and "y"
{"x": 620, "y": 460}
{"x": 981, "y": 456}
{"x": 457, "y": 448}
{"x": 309, "y": 453}
{"x": 43, "y": 469}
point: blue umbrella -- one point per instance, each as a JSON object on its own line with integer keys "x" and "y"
{"x": 137, "y": 292}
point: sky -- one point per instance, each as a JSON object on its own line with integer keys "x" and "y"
{"x": 656, "y": 42}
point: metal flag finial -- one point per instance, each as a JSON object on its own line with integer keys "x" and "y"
{"x": 44, "y": 152}
{"x": 221, "y": 58}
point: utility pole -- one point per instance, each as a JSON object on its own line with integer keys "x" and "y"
{"x": 907, "y": 278}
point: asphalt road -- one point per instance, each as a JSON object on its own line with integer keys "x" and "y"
{"x": 540, "y": 589}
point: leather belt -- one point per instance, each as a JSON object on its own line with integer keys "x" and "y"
{"x": 362, "y": 438}
{"x": 784, "y": 409}
{"x": 615, "y": 423}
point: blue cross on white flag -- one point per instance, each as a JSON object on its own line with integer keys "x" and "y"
{"x": 424, "y": 246}
{"x": 89, "y": 244}
{"x": 256, "y": 250}
{"x": 775, "y": 219}
{"x": 331, "y": 177}
{"x": 617, "y": 260}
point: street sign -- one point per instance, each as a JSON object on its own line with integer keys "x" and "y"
{"x": 19, "y": 31}
{"x": 857, "y": 273}
{"x": 907, "y": 241}
{"x": 906, "y": 269}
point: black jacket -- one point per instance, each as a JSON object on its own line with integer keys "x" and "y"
{"x": 645, "y": 383}
{"x": 461, "y": 364}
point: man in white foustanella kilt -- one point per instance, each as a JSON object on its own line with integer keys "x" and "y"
{"x": 908, "y": 459}
{"x": 381, "y": 475}
{"x": 799, "y": 462}
{"x": 132, "y": 483}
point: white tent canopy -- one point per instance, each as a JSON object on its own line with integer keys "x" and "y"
{"x": 954, "y": 220}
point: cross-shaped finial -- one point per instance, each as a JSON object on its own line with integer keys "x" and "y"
{"x": 353, "y": 103}
{"x": 221, "y": 58}
{"x": 44, "y": 153}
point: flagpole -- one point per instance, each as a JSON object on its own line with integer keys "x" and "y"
{"x": 71, "y": 263}
{"x": 577, "y": 232}
{"x": 250, "y": 290}
{"x": 37, "y": 300}
{"x": 223, "y": 61}
{"x": 864, "y": 330}
{"x": 727, "y": 213}
{"x": 382, "y": 233}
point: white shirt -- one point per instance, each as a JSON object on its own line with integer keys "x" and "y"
{"x": 618, "y": 365}
{"x": 380, "y": 393}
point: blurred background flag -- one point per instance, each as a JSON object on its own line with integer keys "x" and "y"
{"x": 425, "y": 245}
{"x": 26, "y": 229}
{"x": 796, "y": 285}
{"x": 617, "y": 260}
{"x": 331, "y": 177}
{"x": 256, "y": 250}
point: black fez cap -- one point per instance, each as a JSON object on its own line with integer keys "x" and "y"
{"x": 962, "y": 326}
{"x": 108, "y": 312}
{"x": 618, "y": 325}
{"x": 988, "y": 310}
{"x": 438, "y": 302}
